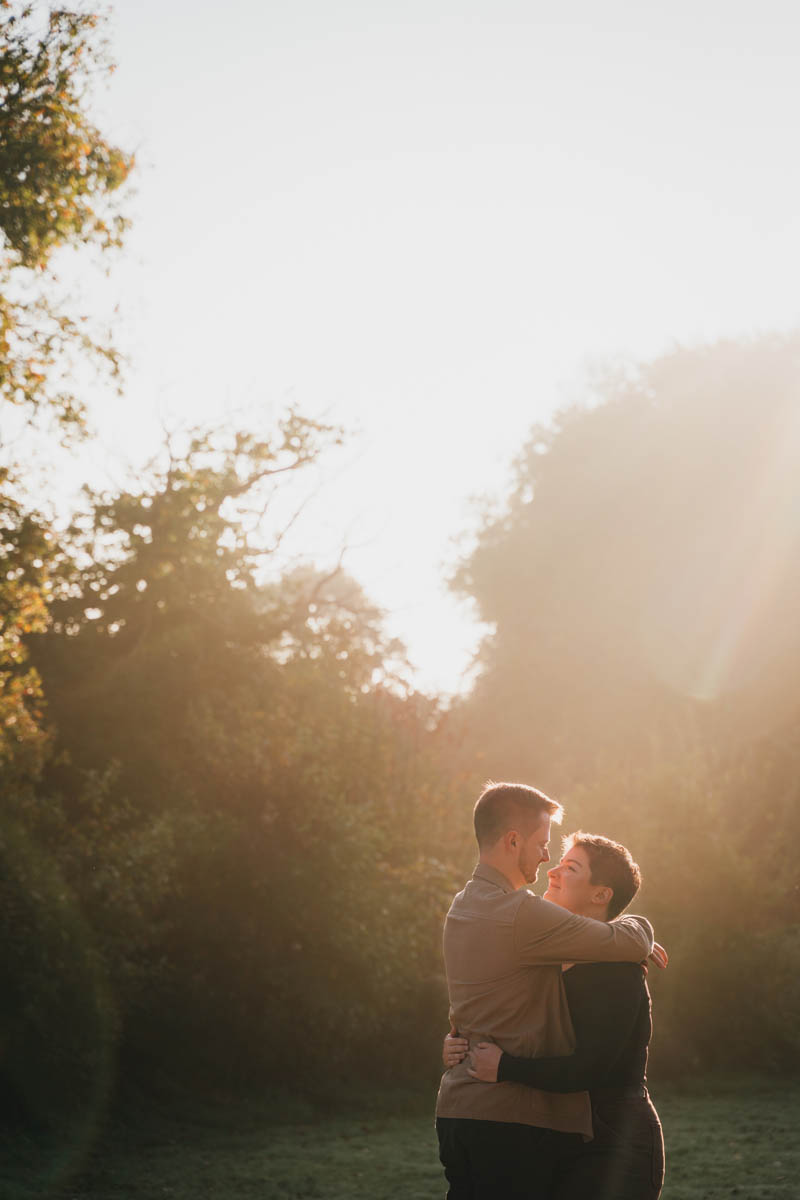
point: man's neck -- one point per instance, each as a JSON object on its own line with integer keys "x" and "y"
{"x": 506, "y": 868}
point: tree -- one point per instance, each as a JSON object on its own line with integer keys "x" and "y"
{"x": 643, "y": 578}
{"x": 161, "y": 594}
{"x": 233, "y": 751}
{"x": 59, "y": 178}
{"x": 26, "y": 552}
{"x": 58, "y": 183}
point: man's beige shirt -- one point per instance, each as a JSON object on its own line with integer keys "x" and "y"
{"x": 503, "y": 950}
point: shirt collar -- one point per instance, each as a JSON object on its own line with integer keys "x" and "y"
{"x": 492, "y": 875}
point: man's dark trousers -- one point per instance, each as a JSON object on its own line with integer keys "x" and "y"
{"x": 486, "y": 1160}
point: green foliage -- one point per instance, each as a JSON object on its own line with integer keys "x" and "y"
{"x": 57, "y": 174}
{"x": 55, "y": 166}
{"x": 709, "y": 833}
{"x": 58, "y": 1018}
{"x": 26, "y": 551}
{"x": 120, "y": 868}
{"x": 159, "y": 606}
{"x": 257, "y": 866}
{"x": 58, "y": 179}
{"x": 643, "y": 577}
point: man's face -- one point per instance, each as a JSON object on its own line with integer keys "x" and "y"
{"x": 534, "y": 851}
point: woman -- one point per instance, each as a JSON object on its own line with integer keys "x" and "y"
{"x": 610, "y": 1008}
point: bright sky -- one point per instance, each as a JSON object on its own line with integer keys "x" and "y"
{"x": 422, "y": 219}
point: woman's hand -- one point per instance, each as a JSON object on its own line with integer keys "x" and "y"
{"x": 485, "y": 1057}
{"x": 659, "y": 956}
{"x": 454, "y": 1049}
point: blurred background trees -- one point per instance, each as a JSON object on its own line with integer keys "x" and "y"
{"x": 59, "y": 181}
{"x": 257, "y": 755}
{"x": 643, "y": 577}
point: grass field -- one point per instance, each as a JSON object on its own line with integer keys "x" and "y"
{"x": 729, "y": 1138}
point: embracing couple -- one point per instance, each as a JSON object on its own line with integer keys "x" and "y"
{"x": 544, "y": 1097}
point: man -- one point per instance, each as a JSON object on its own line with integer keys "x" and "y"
{"x": 503, "y": 950}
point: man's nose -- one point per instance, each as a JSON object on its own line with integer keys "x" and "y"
{"x": 546, "y": 857}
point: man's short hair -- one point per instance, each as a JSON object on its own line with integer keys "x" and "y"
{"x": 610, "y": 865}
{"x": 504, "y": 806}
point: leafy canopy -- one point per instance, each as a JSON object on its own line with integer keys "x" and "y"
{"x": 59, "y": 177}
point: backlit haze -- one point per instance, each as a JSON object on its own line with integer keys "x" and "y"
{"x": 423, "y": 221}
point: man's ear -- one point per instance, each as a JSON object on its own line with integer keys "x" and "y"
{"x": 511, "y": 840}
{"x": 603, "y": 896}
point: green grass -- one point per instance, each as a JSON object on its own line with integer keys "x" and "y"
{"x": 738, "y": 1138}
{"x": 728, "y": 1138}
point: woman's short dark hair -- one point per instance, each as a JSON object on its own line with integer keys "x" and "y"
{"x": 504, "y": 806}
{"x": 610, "y": 865}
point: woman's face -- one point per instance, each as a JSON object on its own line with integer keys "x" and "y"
{"x": 570, "y": 884}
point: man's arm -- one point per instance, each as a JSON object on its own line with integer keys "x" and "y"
{"x": 544, "y": 933}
